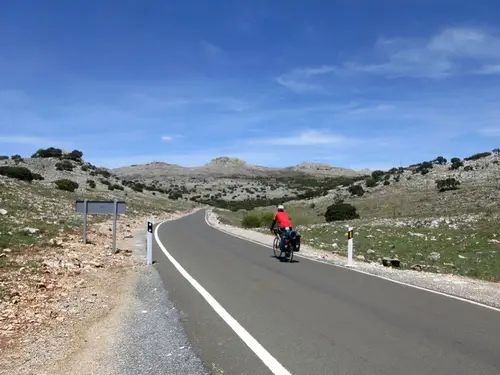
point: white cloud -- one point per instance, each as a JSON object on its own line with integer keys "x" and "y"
{"x": 306, "y": 138}
{"x": 452, "y": 51}
{"x": 26, "y": 140}
{"x": 166, "y": 138}
{"x": 210, "y": 49}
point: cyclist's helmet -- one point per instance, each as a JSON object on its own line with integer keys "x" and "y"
{"x": 281, "y": 208}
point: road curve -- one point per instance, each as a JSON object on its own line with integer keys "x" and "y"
{"x": 314, "y": 318}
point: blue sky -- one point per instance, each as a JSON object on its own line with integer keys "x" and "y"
{"x": 359, "y": 83}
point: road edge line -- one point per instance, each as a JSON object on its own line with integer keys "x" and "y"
{"x": 360, "y": 271}
{"x": 271, "y": 362}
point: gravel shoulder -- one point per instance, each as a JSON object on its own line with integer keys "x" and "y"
{"x": 484, "y": 292}
{"x": 119, "y": 321}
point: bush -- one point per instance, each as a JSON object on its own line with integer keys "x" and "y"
{"x": 468, "y": 168}
{"x": 447, "y": 184}
{"x": 4, "y": 157}
{"x": 17, "y": 158}
{"x": 370, "y": 182}
{"x": 386, "y": 182}
{"x": 64, "y": 165}
{"x": 440, "y": 160}
{"x": 91, "y": 184}
{"x": 74, "y": 155}
{"x": 356, "y": 190}
{"x": 19, "y": 173}
{"x": 478, "y": 156}
{"x": 341, "y": 211}
{"x": 137, "y": 188}
{"x": 50, "y": 152}
{"x": 251, "y": 221}
{"x": 84, "y": 168}
{"x": 496, "y": 151}
{"x": 424, "y": 171}
{"x": 66, "y": 185}
{"x": 456, "y": 164}
{"x": 104, "y": 181}
{"x": 104, "y": 173}
{"x": 37, "y": 176}
{"x": 377, "y": 175}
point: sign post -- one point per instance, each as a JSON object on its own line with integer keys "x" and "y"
{"x": 150, "y": 240}
{"x": 114, "y": 208}
{"x": 350, "y": 235}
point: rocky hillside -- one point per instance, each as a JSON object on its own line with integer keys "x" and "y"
{"x": 231, "y": 179}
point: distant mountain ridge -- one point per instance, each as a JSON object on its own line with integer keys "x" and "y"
{"x": 230, "y": 167}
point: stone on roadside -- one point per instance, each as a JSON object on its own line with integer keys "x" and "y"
{"x": 434, "y": 256}
{"x": 360, "y": 257}
{"x": 3, "y": 212}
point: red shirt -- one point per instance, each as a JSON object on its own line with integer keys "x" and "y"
{"x": 283, "y": 219}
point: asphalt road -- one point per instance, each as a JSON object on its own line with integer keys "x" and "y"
{"x": 314, "y": 318}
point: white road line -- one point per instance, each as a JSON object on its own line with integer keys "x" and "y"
{"x": 360, "y": 271}
{"x": 273, "y": 365}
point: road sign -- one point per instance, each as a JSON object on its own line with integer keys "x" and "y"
{"x": 149, "y": 254}
{"x": 88, "y": 207}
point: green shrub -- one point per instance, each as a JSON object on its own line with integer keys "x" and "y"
{"x": 19, "y": 173}
{"x": 252, "y": 220}
{"x": 91, "y": 184}
{"x": 84, "y": 168}
{"x": 74, "y": 155}
{"x": 37, "y": 176}
{"x": 478, "y": 156}
{"x": 371, "y": 182}
{"x": 386, "y": 182}
{"x": 137, "y": 188}
{"x": 424, "y": 171}
{"x": 50, "y": 152}
{"x": 64, "y": 165}
{"x": 17, "y": 158}
{"x": 447, "y": 184}
{"x": 377, "y": 175}
{"x": 440, "y": 160}
{"x": 356, "y": 190}
{"x": 341, "y": 211}
{"x": 456, "y": 163}
{"x": 496, "y": 151}
{"x": 104, "y": 181}
{"x": 468, "y": 168}
{"x": 104, "y": 173}
{"x": 66, "y": 185}
{"x": 4, "y": 157}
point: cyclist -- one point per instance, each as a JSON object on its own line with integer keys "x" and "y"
{"x": 284, "y": 223}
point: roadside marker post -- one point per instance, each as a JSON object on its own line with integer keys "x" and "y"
{"x": 151, "y": 222}
{"x": 350, "y": 236}
{"x": 87, "y": 207}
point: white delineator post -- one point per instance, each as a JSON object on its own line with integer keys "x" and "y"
{"x": 350, "y": 235}
{"x": 150, "y": 240}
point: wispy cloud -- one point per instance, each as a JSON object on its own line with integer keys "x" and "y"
{"x": 450, "y": 52}
{"x": 305, "y": 138}
{"x": 27, "y": 140}
{"x": 210, "y": 49}
{"x": 166, "y": 138}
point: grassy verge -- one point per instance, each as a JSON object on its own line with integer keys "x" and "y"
{"x": 468, "y": 249}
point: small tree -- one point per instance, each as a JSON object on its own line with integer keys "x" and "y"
{"x": 19, "y": 173}
{"x": 252, "y": 220}
{"x": 447, "y": 184}
{"x": 456, "y": 163}
{"x": 440, "y": 160}
{"x": 377, "y": 175}
{"x": 496, "y": 151}
{"x": 17, "y": 158}
{"x": 50, "y": 152}
{"x": 37, "y": 176}
{"x": 91, "y": 183}
{"x": 74, "y": 155}
{"x": 64, "y": 165}
{"x": 340, "y": 211}
{"x": 356, "y": 190}
{"x": 66, "y": 185}
{"x": 4, "y": 157}
{"x": 371, "y": 182}
{"x": 478, "y": 156}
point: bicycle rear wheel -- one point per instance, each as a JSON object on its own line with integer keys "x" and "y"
{"x": 276, "y": 247}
